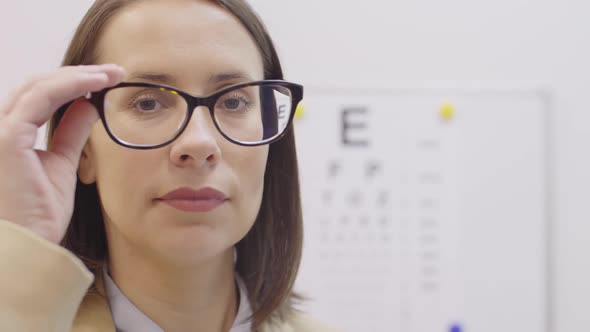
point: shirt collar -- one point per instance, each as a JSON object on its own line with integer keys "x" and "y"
{"x": 128, "y": 318}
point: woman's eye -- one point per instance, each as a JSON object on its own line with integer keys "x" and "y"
{"x": 237, "y": 103}
{"x": 232, "y": 103}
{"x": 148, "y": 105}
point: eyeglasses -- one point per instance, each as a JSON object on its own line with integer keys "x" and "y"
{"x": 150, "y": 116}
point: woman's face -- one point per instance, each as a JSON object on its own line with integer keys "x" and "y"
{"x": 199, "y": 48}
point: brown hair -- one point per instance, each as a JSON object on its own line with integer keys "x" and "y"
{"x": 269, "y": 255}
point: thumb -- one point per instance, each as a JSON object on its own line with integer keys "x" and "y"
{"x": 73, "y": 131}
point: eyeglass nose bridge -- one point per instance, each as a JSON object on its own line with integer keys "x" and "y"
{"x": 193, "y": 103}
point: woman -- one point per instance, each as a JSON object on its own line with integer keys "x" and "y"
{"x": 184, "y": 209}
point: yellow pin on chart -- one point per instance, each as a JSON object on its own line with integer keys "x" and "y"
{"x": 300, "y": 111}
{"x": 447, "y": 111}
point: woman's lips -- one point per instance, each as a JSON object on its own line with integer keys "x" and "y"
{"x": 190, "y": 200}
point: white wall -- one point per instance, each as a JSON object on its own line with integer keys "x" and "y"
{"x": 34, "y": 35}
{"x": 522, "y": 43}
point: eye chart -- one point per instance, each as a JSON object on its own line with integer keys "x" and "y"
{"x": 425, "y": 210}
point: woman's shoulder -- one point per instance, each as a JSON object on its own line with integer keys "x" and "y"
{"x": 298, "y": 322}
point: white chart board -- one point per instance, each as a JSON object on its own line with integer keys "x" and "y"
{"x": 425, "y": 210}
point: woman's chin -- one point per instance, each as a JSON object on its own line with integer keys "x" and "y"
{"x": 192, "y": 246}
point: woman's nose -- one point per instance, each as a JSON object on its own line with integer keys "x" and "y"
{"x": 197, "y": 145}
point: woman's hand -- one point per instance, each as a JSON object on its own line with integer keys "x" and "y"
{"x": 37, "y": 187}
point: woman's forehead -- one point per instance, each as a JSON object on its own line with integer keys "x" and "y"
{"x": 180, "y": 38}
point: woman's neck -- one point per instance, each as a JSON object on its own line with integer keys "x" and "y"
{"x": 200, "y": 298}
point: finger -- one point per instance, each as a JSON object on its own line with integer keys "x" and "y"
{"x": 8, "y": 105}
{"x": 73, "y": 130}
{"x": 42, "y": 100}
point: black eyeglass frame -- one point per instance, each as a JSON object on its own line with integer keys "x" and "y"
{"x": 97, "y": 99}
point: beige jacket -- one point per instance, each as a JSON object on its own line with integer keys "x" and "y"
{"x": 43, "y": 288}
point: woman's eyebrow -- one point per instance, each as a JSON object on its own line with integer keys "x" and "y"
{"x": 152, "y": 77}
{"x": 229, "y": 76}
